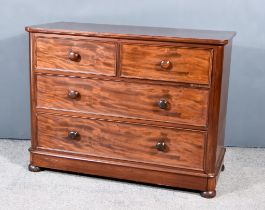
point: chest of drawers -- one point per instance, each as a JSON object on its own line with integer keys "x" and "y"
{"x": 134, "y": 103}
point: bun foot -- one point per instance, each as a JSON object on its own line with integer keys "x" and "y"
{"x": 223, "y": 168}
{"x": 208, "y": 194}
{"x": 33, "y": 168}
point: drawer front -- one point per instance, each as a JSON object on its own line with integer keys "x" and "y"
{"x": 122, "y": 141}
{"x": 166, "y": 63}
{"x": 121, "y": 99}
{"x": 76, "y": 55}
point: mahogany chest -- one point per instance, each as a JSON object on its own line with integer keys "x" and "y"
{"x": 144, "y": 104}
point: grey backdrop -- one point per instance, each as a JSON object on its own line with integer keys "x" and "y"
{"x": 246, "y": 107}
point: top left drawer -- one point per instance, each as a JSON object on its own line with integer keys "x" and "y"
{"x": 73, "y": 54}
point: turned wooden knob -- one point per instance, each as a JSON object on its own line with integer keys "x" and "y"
{"x": 165, "y": 64}
{"x": 73, "y": 134}
{"x": 74, "y": 56}
{"x": 161, "y": 146}
{"x": 163, "y": 103}
{"x": 73, "y": 94}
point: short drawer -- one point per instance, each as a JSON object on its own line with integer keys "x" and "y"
{"x": 166, "y": 63}
{"x": 124, "y": 99}
{"x": 75, "y": 55}
{"x": 162, "y": 146}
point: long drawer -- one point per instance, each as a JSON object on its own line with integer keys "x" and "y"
{"x": 162, "y": 146}
{"x": 124, "y": 99}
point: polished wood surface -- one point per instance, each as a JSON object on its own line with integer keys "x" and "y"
{"x": 137, "y": 103}
{"x": 122, "y": 141}
{"x": 124, "y": 99}
{"x": 223, "y": 100}
{"x": 166, "y": 63}
{"x": 77, "y": 55}
{"x": 135, "y": 32}
{"x": 122, "y": 171}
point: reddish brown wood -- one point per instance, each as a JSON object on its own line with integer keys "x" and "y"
{"x": 135, "y": 103}
{"x": 77, "y": 55}
{"x": 118, "y": 140}
{"x": 135, "y": 32}
{"x": 118, "y": 78}
{"x": 214, "y": 112}
{"x": 32, "y": 91}
{"x": 223, "y": 100}
{"x": 114, "y": 170}
{"x": 110, "y": 118}
{"x": 166, "y": 63}
{"x": 185, "y": 105}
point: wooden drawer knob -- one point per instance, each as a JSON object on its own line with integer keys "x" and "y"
{"x": 73, "y": 94}
{"x": 165, "y": 64}
{"x": 73, "y": 134}
{"x": 163, "y": 103}
{"x": 74, "y": 56}
{"x": 161, "y": 146}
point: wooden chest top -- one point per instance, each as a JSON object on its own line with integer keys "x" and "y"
{"x": 135, "y": 32}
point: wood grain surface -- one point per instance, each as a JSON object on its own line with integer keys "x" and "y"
{"x": 185, "y": 64}
{"x": 124, "y": 99}
{"x": 223, "y": 100}
{"x": 115, "y": 170}
{"x": 122, "y": 141}
{"x": 135, "y": 32}
{"x": 97, "y": 57}
{"x": 145, "y": 104}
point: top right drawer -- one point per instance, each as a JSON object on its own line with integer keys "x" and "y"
{"x": 167, "y": 63}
